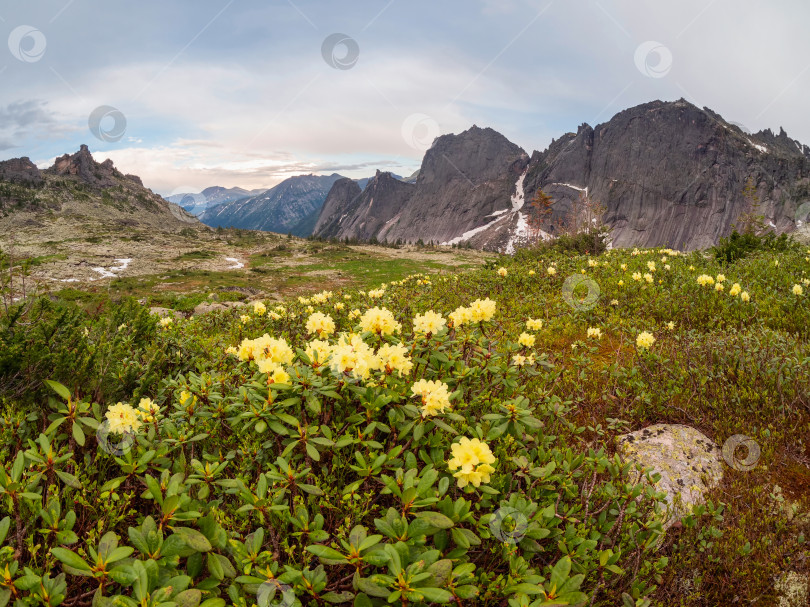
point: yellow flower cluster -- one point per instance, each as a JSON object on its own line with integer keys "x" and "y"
{"x": 352, "y": 355}
{"x": 502, "y": 271}
{"x": 320, "y": 323}
{"x": 705, "y": 280}
{"x": 429, "y": 322}
{"x": 275, "y": 372}
{"x": 318, "y": 351}
{"x": 526, "y": 340}
{"x": 123, "y": 418}
{"x": 165, "y": 322}
{"x": 376, "y": 293}
{"x": 265, "y": 347}
{"x": 735, "y": 289}
{"x": 434, "y": 394}
{"x": 594, "y": 332}
{"x": 534, "y": 324}
{"x": 481, "y": 310}
{"x": 380, "y": 321}
{"x": 551, "y": 271}
{"x": 797, "y": 290}
{"x": 473, "y": 460}
{"x": 259, "y": 309}
{"x": 395, "y": 358}
{"x": 322, "y": 297}
{"x": 645, "y": 340}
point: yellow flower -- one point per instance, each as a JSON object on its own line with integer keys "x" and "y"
{"x": 354, "y": 314}
{"x": 376, "y": 293}
{"x": 165, "y": 322}
{"x": 352, "y": 355}
{"x": 592, "y": 263}
{"x": 666, "y": 267}
{"x": 526, "y": 340}
{"x": 594, "y": 332}
{"x": 310, "y": 309}
{"x": 321, "y": 324}
{"x": 473, "y": 460}
{"x": 671, "y": 325}
{"x": 429, "y": 322}
{"x": 797, "y": 289}
{"x": 735, "y": 289}
{"x": 534, "y": 324}
{"x": 614, "y": 302}
{"x": 502, "y": 271}
{"x": 122, "y": 418}
{"x": 244, "y": 318}
{"x": 395, "y": 358}
{"x": 519, "y": 360}
{"x": 645, "y": 340}
{"x": 259, "y": 309}
{"x": 265, "y": 347}
{"x": 318, "y": 351}
{"x": 322, "y": 297}
{"x": 434, "y": 394}
{"x": 704, "y": 280}
{"x": 551, "y": 271}
{"x": 482, "y": 310}
{"x": 147, "y": 409}
{"x": 745, "y": 296}
{"x": 624, "y": 266}
{"x": 648, "y": 277}
{"x": 275, "y": 372}
{"x": 721, "y": 277}
{"x": 719, "y": 287}
{"x": 651, "y": 266}
{"x": 231, "y": 350}
{"x": 185, "y": 397}
{"x": 460, "y": 316}
{"x": 636, "y": 275}
{"x": 621, "y": 283}
{"x": 339, "y": 306}
{"x": 380, "y": 321}
{"x": 531, "y": 272}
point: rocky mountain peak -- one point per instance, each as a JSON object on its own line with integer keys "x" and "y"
{"x": 20, "y": 170}
{"x": 82, "y": 165}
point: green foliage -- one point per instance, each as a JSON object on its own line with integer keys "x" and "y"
{"x": 739, "y": 246}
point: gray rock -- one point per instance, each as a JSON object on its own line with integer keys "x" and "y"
{"x": 165, "y": 312}
{"x": 689, "y": 463}
{"x": 205, "y": 308}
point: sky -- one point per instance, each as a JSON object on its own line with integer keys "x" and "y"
{"x": 194, "y": 93}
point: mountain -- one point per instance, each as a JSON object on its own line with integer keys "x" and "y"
{"x": 291, "y": 206}
{"x": 668, "y": 174}
{"x": 350, "y": 212}
{"x": 77, "y": 189}
{"x": 364, "y": 181}
{"x": 197, "y": 203}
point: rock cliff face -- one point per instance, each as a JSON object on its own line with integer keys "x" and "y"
{"x": 668, "y": 174}
{"x": 463, "y": 179}
{"x": 20, "y": 170}
{"x": 672, "y": 174}
{"x": 291, "y": 206}
{"x": 350, "y": 212}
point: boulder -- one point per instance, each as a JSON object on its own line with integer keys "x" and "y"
{"x": 689, "y": 463}
{"x": 205, "y": 308}
{"x": 165, "y": 312}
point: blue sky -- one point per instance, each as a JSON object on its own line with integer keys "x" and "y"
{"x": 241, "y": 92}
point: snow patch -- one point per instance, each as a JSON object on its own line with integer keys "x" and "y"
{"x": 772, "y": 224}
{"x": 761, "y": 148}
{"x": 236, "y": 263}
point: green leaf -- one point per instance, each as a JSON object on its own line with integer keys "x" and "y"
{"x": 71, "y": 559}
{"x": 436, "y": 519}
{"x": 194, "y": 539}
{"x": 560, "y": 571}
{"x": 337, "y": 597}
{"x": 369, "y": 587}
{"x": 325, "y": 552}
{"x": 215, "y": 567}
{"x": 4, "y": 526}
{"x": 435, "y": 595}
{"x": 58, "y": 388}
{"x": 69, "y": 479}
{"x": 188, "y": 598}
{"x": 78, "y": 434}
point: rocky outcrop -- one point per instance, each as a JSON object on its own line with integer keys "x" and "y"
{"x": 689, "y": 463}
{"x": 672, "y": 174}
{"x": 20, "y": 170}
{"x": 364, "y": 215}
{"x": 291, "y": 206}
{"x": 82, "y": 165}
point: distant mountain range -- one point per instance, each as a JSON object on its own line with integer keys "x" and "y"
{"x": 668, "y": 173}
